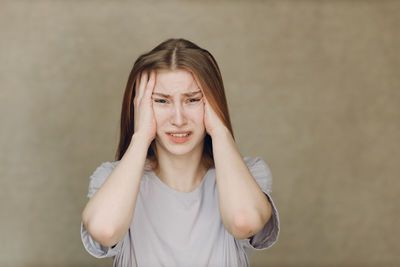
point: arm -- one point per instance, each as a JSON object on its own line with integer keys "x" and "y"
{"x": 243, "y": 205}
{"x": 108, "y": 214}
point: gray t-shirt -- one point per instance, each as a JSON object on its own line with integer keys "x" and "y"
{"x": 173, "y": 228}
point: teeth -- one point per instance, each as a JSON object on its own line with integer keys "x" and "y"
{"x": 180, "y": 135}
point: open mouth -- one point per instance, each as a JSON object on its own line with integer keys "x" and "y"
{"x": 180, "y": 137}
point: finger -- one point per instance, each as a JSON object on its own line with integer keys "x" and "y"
{"x": 204, "y": 100}
{"x": 142, "y": 85}
{"x": 137, "y": 86}
{"x": 137, "y": 83}
{"x": 151, "y": 83}
{"x": 136, "y": 89}
{"x": 203, "y": 95}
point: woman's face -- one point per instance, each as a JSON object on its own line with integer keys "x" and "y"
{"x": 179, "y": 112}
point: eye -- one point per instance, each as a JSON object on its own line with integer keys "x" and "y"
{"x": 192, "y": 100}
{"x": 162, "y": 101}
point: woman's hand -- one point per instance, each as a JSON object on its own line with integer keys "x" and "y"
{"x": 212, "y": 122}
{"x": 145, "y": 123}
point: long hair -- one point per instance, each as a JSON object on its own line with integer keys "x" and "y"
{"x": 175, "y": 54}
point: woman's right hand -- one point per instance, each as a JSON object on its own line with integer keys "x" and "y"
{"x": 145, "y": 122}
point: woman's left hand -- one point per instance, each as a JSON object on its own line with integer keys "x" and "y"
{"x": 212, "y": 122}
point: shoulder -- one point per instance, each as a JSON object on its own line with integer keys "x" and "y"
{"x": 256, "y": 164}
{"x": 104, "y": 167}
{"x": 260, "y": 171}
{"x": 103, "y": 171}
{"x": 99, "y": 176}
{"x": 251, "y": 160}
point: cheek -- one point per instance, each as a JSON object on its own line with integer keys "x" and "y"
{"x": 198, "y": 114}
{"x": 159, "y": 116}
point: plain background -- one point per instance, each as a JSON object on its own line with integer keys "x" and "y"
{"x": 312, "y": 86}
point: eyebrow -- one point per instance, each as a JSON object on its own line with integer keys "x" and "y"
{"x": 185, "y": 94}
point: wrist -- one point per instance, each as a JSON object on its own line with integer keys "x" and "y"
{"x": 220, "y": 132}
{"x": 139, "y": 139}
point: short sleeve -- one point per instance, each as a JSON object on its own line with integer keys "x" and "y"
{"x": 99, "y": 176}
{"x": 92, "y": 246}
{"x": 267, "y": 236}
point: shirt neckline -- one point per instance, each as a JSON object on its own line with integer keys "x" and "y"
{"x": 193, "y": 193}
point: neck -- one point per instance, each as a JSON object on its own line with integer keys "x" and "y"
{"x": 181, "y": 172}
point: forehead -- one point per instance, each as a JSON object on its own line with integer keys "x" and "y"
{"x": 175, "y": 81}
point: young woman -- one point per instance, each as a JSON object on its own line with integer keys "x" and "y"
{"x": 179, "y": 192}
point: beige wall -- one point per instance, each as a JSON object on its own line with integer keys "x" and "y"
{"x": 313, "y": 89}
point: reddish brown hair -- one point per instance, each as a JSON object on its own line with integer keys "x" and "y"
{"x": 175, "y": 54}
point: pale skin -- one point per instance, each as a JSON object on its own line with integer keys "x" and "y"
{"x": 243, "y": 206}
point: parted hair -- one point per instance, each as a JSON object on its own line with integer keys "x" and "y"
{"x": 175, "y": 54}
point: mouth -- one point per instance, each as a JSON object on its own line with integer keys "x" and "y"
{"x": 179, "y": 137}
{"x": 180, "y": 134}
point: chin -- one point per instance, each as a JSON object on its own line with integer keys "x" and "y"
{"x": 179, "y": 151}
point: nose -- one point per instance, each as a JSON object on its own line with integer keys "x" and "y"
{"x": 178, "y": 117}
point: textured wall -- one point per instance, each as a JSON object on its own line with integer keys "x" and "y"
{"x": 313, "y": 88}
